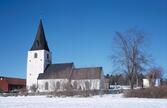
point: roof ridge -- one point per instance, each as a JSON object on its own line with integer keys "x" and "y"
{"x": 89, "y": 68}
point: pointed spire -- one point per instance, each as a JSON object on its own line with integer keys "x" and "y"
{"x": 40, "y": 42}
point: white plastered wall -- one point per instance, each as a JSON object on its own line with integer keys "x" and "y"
{"x": 51, "y": 84}
{"x": 94, "y": 84}
{"x": 146, "y": 83}
{"x": 35, "y": 66}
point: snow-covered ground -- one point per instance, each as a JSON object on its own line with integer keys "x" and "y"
{"x": 107, "y": 101}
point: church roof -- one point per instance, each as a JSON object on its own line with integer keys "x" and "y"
{"x": 40, "y": 42}
{"x": 86, "y": 73}
{"x": 67, "y": 71}
{"x": 59, "y": 71}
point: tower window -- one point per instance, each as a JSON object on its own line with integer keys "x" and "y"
{"x": 47, "y": 56}
{"x": 35, "y": 55}
{"x": 46, "y": 86}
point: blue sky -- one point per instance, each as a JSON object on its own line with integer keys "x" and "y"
{"x": 79, "y": 31}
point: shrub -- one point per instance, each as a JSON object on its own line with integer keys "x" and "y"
{"x": 23, "y": 91}
{"x": 153, "y": 92}
{"x": 33, "y": 88}
{"x": 80, "y": 93}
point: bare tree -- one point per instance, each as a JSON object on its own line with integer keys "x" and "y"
{"x": 130, "y": 57}
{"x": 154, "y": 73}
{"x": 87, "y": 88}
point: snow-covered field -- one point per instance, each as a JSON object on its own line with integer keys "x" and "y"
{"x": 107, "y": 101}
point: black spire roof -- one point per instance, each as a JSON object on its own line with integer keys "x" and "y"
{"x": 40, "y": 42}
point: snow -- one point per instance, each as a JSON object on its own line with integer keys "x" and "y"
{"x": 106, "y": 101}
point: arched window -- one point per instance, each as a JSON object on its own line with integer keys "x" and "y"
{"x": 35, "y": 55}
{"x": 57, "y": 85}
{"x": 75, "y": 85}
{"x": 87, "y": 85}
{"x": 46, "y": 86}
{"x": 47, "y": 56}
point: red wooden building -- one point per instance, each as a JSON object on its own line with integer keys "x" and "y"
{"x": 10, "y": 84}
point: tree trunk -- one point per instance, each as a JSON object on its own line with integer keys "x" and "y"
{"x": 131, "y": 83}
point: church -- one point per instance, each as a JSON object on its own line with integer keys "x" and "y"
{"x": 47, "y": 77}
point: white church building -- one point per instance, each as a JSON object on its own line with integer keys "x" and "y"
{"x": 48, "y": 77}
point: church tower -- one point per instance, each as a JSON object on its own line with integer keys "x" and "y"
{"x": 39, "y": 56}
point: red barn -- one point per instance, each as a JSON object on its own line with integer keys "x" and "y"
{"x": 9, "y": 84}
